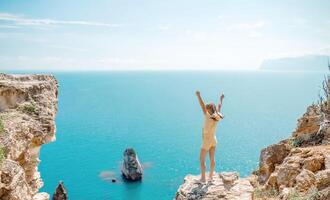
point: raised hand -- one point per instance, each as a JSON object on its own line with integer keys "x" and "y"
{"x": 201, "y": 102}
{"x": 222, "y": 96}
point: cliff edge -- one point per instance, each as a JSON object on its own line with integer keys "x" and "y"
{"x": 28, "y": 105}
{"x": 226, "y": 185}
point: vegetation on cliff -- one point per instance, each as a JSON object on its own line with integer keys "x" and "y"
{"x": 324, "y": 97}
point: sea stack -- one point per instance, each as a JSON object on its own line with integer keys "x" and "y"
{"x": 60, "y": 192}
{"x": 131, "y": 168}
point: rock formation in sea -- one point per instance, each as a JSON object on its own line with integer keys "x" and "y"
{"x": 28, "y": 105}
{"x": 131, "y": 167}
{"x": 60, "y": 192}
{"x": 297, "y": 168}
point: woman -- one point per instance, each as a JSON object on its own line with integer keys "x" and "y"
{"x": 212, "y": 116}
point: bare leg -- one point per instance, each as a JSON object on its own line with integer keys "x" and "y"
{"x": 212, "y": 162}
{"x": 202, "y": 163}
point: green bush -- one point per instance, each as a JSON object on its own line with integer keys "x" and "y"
{"x": 2, "y": 126}
{"x": 312, "y": 139}
{"x": 29, "y": 108}
{"x": 324, "y": 98}
{"x": 294, "y": 195}
{"x": 313, "y": 194}
{"x": 2, "y": 154}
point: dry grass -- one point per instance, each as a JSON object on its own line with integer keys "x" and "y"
{"x": 312, "y": 194}
{"x": 261, "y": 193}
{"x": 324, "y": 97}
{"x": 2, "y": 154}
{"x": 2, "y": 125}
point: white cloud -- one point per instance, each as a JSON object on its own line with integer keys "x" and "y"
{"x": 10, "y": 35}
{"x": 187, "y": 31}
{"x": 198, "y": 35}
{"x": 250, "y": 29}
{"x": 163, "y": 27}
{"x": 220, "y": 17}
{"x": 254, "y": 34}
{"x": 113, "y": 62}
{"x": 325, "y": 50}
{"x": 299, "y": 21}
{"x": 62, "y": 47}
{"x": 8, "y": 26}
{"x": 24, "y": 21}
{"x": 246, "y": 26}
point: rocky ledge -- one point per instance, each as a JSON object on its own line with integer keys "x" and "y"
{"x": 226, "y": 185}
{"x": 28, "y": 105}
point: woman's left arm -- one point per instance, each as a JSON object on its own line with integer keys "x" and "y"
{"x": 220, "y": 103}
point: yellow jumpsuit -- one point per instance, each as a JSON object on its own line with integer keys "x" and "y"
{"x": 210, "y": 126}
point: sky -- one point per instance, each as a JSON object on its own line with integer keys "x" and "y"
{"x": 159, "y": 35}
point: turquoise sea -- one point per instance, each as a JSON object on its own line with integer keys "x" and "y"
{"x": 157, "y": 113}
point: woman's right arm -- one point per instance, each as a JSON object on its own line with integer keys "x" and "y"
{"x": 201, "y": 102}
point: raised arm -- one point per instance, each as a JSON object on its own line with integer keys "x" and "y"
{"x": 220, "y": 103}
{"x": 201, "y": 102}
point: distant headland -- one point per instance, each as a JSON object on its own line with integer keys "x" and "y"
{"x": 301, "y": 63}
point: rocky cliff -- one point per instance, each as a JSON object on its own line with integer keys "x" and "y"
{"x": 28, "y": 105}
{"x": 297, "y": 168}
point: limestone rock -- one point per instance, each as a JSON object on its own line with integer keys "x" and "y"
{"x": 314, "y": 163}
{"x": 41, "y": 196}
{"x": 269, "y": 158}
{"x": 131, "y": 167}
{"x": 229, "y": 178}
{"x": 325, "y": 194}
{"x": 272, "y": 181}
{"x": 305, "y": 180}
{"x": 311, "y": 159}
{"x": 307, "y": 163}
{"x": 286, "y": 173}
{"x": 60, "y": 192}
{"x": 285, "y": 192}
{"x": 13, "y": 184}
{"x": 313, "y": 128}
{"x": 323, "y": 179}
{"x": 253, "y": 179}
{"x": 325, "y": 132}
{"x": 327, "y": 162}
{"x": 28, "y": 105}
{"x": 309, "y": 123}
{"x": 224, "y": 186}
